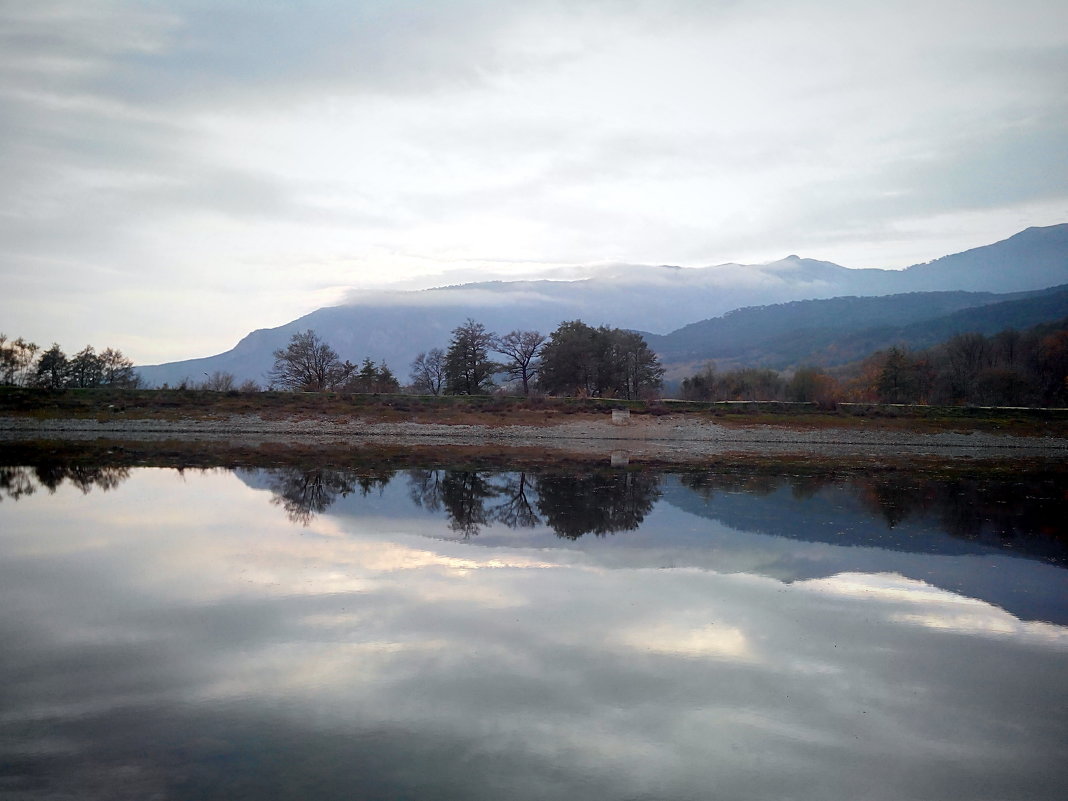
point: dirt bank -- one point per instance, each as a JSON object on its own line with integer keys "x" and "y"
{"x": 669, "y": 438}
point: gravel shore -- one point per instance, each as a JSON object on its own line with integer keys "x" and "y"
{"x": 668, "y": 438}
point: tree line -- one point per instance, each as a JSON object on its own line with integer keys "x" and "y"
{"x": 576, "y": 359}
{"x": 25, "y": 364}
{"x": 1010, "y": 368}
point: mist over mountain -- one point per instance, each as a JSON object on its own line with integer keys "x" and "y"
{"x": 395, "y": 326}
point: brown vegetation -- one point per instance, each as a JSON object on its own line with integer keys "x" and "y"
{"x": 111, "y": 404}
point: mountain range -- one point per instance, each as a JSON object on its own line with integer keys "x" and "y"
{"x": 667, "y": 301}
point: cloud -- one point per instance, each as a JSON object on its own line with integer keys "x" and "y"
{"x": 295, "y": 148}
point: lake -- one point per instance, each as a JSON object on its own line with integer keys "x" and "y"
{"x": 552, "y": 633}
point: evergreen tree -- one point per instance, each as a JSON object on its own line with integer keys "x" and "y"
{"x": 468, "y": 369}
{"x": 580, "y": 360}
{"x": 52, "y": 368}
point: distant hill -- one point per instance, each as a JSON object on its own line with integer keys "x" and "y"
{"x": 395, "y": 326}
{"x": 840, "y": 330}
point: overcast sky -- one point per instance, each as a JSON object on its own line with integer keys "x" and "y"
{"x": 175, "y": 174}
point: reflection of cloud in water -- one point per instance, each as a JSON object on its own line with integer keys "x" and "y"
{"x": 360, "y": 659}
{"x": 944, "y": 610}
{"x": 709, "y": 641}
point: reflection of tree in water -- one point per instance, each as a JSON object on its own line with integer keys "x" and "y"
{"x": 1027, "y": 515}
{"x": 1004, "y": 513}
{"x": 306, "y": 493}
{"x": 596, "y": 503}
{"x": 517, "y": 511}
{"x": 706, "y": 485}
{"x": 893, "y": 499}
{"x": 572, "y": 504}
{"x": 465, "y": 496}
{"x": 17, "y": 482}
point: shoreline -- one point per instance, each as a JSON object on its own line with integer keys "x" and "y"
{"x": 664, "y": 440}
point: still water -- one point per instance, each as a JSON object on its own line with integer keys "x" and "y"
{"x": 431, "y": 633}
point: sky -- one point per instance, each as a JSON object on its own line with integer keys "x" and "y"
{"x": 176, "y": 174}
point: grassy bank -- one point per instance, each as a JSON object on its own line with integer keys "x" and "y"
{"x": 174, "y": 404}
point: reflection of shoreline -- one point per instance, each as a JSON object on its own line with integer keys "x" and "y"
{"x": 967, "y": 533}
{"x": 20, "y": 482}
{"x": 1007, "y": 509}
{"x": 952, "y": 516}
{"x": 785, "y": 526}
{"x": 977, "y": 514}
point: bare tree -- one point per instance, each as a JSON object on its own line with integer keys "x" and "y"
{"x": 219, "y": 381}
{"x": 117, "y": 370}
{"x": 309, "y": 364}
{"x": 428, "y": 372}
{"x": 16, "y": 361}
{"x": 521, "y": 348}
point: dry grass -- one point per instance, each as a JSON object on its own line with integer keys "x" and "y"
{"x": 172, "y": 405}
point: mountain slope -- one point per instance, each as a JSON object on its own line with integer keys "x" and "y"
{"x": 1032, "y": 259}
{"x": 840, "y": 330}
{"x": 741, "y": 329}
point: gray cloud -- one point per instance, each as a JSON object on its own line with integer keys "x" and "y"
{"x": 150, "y": 141}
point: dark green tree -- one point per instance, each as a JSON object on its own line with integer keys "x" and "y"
{"x": 468, "y": 368}
{"x": 373, "y": 378}
{"x": 700, "y": 386}
{"x": 52, "y": 368}
{"x": 630, "y": 369}
{"x": 897, "y": 379}
{"x": 570, "y": 361}
{"x": 581, "y": 360}
{"x": 85, "y": 369}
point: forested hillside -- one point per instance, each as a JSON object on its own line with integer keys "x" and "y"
{"x": 1007, "y": 368}
{"x": 841, "y": 330}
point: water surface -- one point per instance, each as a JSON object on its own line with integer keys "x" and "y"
{"x": 432, "y": 633}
